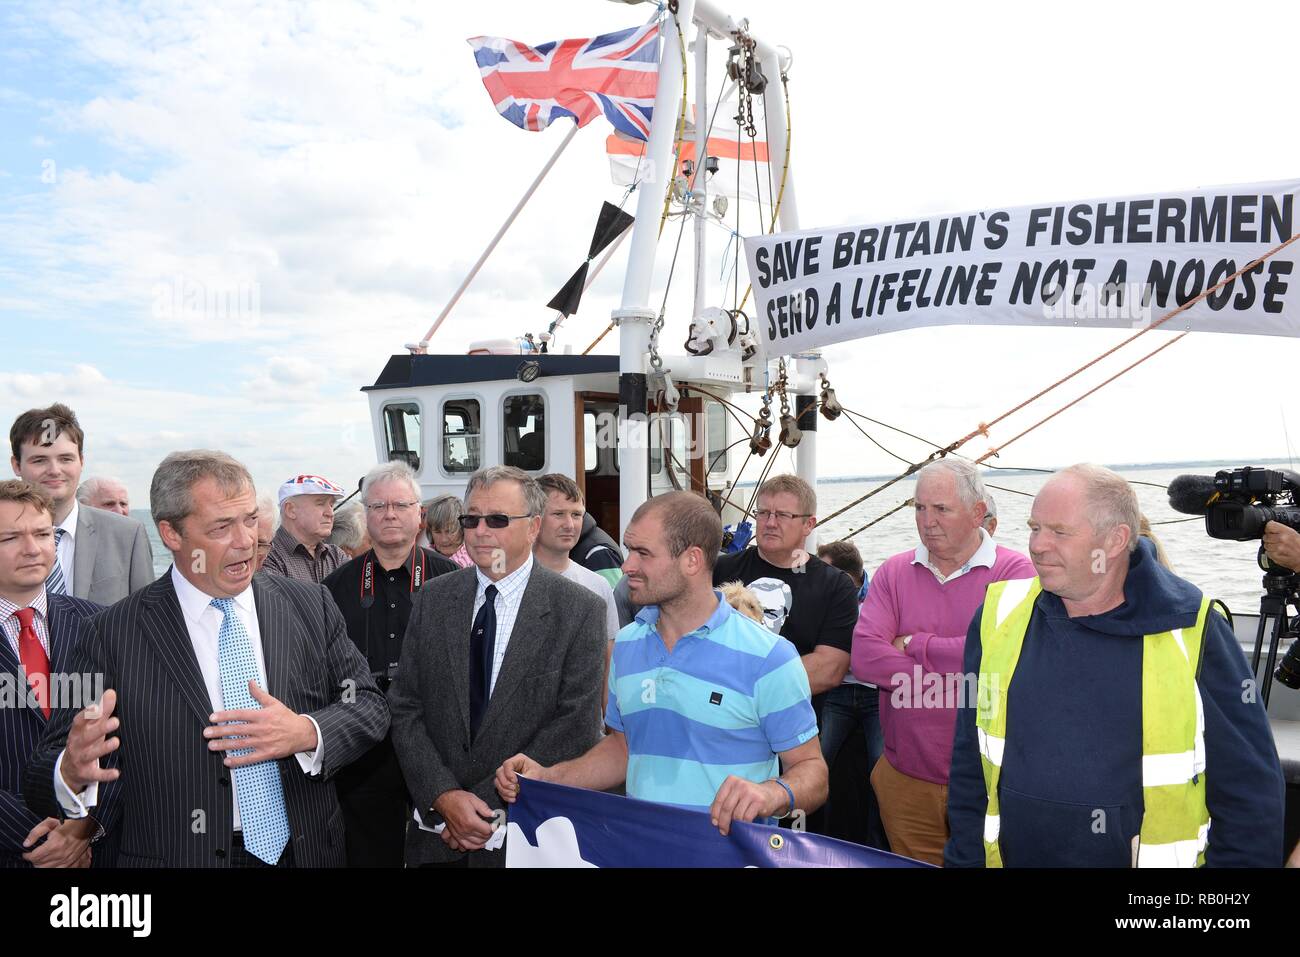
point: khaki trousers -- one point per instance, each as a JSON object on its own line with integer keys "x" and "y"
{"x": 915, "y": 813}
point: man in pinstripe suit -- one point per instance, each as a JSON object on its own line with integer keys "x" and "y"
{"x": 39, "y": 632}
{"x": 234, "y": 699}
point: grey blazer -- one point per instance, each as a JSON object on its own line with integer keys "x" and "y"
{"x": 546, "y": 702}
{"x": 173, "y": 806}
{"x": 111, "y": 556}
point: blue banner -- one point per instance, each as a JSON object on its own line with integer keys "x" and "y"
{"x": 555, "y": 826}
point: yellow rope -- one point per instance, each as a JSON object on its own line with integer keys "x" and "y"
{"x": 681, "y": 128}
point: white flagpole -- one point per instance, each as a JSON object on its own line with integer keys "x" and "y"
{"x": 424, "y": 342}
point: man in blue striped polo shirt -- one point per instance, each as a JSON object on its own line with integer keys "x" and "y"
{"x": 702, "y": 701}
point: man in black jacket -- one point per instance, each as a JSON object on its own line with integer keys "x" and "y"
{"x": 374, "y": 592}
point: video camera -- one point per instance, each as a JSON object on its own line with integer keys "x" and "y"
{"x": 1238, "y": 503}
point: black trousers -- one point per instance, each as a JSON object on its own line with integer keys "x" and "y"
{"x": 372, "y": 794}
{"x": 240, "y": 857}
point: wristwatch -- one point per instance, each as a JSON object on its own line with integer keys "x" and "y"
{"x": 907, "y": 640}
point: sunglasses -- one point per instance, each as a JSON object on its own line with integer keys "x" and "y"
{"x": 496, "y": 520}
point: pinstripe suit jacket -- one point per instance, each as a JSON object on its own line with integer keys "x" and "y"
{"x": 172, "y": 805}
{"x": 546, "y": 702}
{"x": 21, "y": 727}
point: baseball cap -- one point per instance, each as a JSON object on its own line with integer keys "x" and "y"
{"x": 309, "y": 485}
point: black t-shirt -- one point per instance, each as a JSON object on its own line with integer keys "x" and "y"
{"x": 378, "y": 630}
{"x": 817, "y": 605}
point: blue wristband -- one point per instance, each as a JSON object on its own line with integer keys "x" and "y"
{"x": 790, "y": 809}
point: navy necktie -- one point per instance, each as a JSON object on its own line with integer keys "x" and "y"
{"x": 482, "y": 647}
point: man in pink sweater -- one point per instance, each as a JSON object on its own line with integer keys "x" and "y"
{"x": 909, "y": 641}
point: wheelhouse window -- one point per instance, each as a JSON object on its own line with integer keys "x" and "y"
{"x": 402, "y": 433}
{"x": 590, "y": 455}
{"x": 659, "y": 427}
{"x": 600, "y": 441}
{"x": 670, "y": 430}
{"x": 524, "y": 432}
{"x": 460, "y": 436}
{"x": 717, "y": 445}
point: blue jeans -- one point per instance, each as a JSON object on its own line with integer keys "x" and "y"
{"x": 842, "y": 708}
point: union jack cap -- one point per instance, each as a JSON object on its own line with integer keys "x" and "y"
{"x": 309, "y": 485}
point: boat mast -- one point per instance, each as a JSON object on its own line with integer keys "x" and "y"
{"x": 635, "y": 316}
{"x": 699, "y": 179}
{"x": 807, "y": 366}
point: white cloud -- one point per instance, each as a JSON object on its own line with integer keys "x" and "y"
{"x": 82, "y": 379}
{"x": 345, "y": 162}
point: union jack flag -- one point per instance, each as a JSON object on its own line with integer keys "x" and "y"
{"x": 614, "y": 74}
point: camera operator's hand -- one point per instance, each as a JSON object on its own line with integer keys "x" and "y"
{"x": 1282, "y": 545}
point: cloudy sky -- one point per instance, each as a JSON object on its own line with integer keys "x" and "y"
{"x": 218, "y": 220}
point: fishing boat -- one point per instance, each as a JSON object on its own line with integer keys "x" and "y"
{"x": 655, "y": 418}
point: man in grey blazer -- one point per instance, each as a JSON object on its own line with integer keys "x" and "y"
{"x": 499, "y": 657}
{"x": 231, "y": 700}
{"x": 102, "y": 556}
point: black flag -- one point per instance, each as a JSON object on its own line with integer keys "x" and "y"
{"x": 609, "y": 226}
{"x": 611, "y": 223}
{"x": 567, "y": 299}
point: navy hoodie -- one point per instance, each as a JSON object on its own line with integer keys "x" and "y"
{"x": 1070, "y": 793}
{"x": 595, "y": 550}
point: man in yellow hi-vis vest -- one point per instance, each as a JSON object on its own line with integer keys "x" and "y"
{"x": 1115, "y": 723}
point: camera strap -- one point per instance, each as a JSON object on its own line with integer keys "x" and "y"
{"x": 418, "y": 574}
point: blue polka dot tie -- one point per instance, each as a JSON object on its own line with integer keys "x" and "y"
{"x": 55, "y": 583}
{"x": 261, "y": 794}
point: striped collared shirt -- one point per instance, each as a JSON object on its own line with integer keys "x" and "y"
{"x": 728, "y": 700}
{"x": 510, "y": 592}
{"x": 12, "y": 626}
{"x": 289, "y": 557}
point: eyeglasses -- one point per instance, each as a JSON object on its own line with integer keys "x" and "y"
{"x": 378, "y": 508}
{"x": 496, "y": 520}
{"x": 763, "y": 514}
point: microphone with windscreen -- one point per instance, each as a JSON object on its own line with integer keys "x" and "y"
{"x": 1192, "y": 494}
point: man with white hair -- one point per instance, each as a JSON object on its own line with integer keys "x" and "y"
{"x": 107, "y": 494}
{"x": 1116, "y": 722}
{"x": 909, "y": 641}
{"x": 350, "y": 532}
{"x": 990, "y": 514}
{"x": 268, "y": 520}
{"x": 374, "y": 592}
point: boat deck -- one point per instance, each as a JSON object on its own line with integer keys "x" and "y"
{"x": 1283, "y": 705}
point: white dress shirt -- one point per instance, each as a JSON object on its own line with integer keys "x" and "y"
{"x": 13, "y": 627}
{"x": 203, "y": 621}
{"x": 510, "y": 593}
{"x": 984, "y": 557}
{"x": 68, "y": 544}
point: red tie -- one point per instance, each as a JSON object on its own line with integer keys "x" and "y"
{"x": 33, "y": 657}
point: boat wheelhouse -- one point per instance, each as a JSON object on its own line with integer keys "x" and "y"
{"x": 447, "y": 416}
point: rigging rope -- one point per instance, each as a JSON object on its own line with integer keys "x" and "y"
{"x": 984, "y": 427}
{"x": 785, "y": 172}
